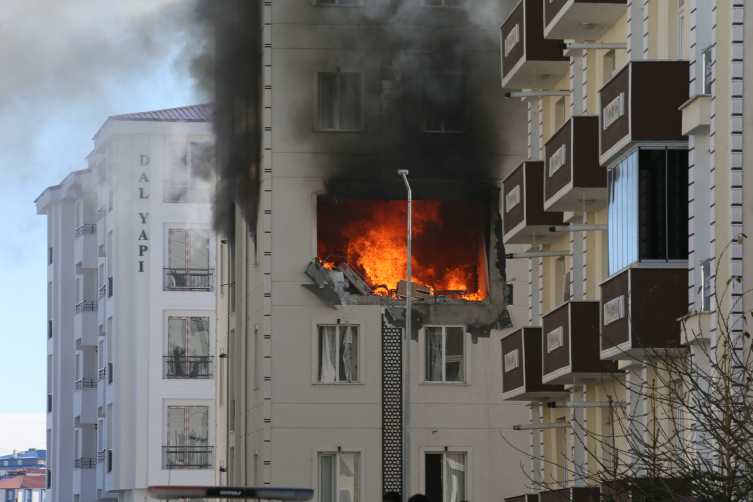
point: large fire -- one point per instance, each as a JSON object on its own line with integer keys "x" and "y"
{"x": 448, "y": 250}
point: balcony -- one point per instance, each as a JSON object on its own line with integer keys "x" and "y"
{"x": 85, "y": 383}
{"x": 529, "y": 497}
{"x": 182, "y": 193}
{"x": 84, "y": 463}
{"x": 525, "y": 221}
{"x": 102, "y": 292}
{"x": 102, "y": 373}
{"x": 571, "y": 345}
{"x": 572, "y": 494}
{"x": 528, "y": 60}
{"x": 581, "y": 19}
{"x": 85, "y": 401}
{"x": 101, "y": 455}
{"x": 85, "y": 323}
{"x": 101, "y": 212}
{"x": 85, "y": 247}
{"x": 189, "y": 279}
{"x": 187, "y": 457}
{"x": 640, "y": 308}
{"x": 521, "y": 370}
{"x": 572, "y": 173}
{"x": 188, "y": 367}
{"x": 641, "y": 103}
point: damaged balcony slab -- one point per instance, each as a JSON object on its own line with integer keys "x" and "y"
{"x": 479, "y": 319}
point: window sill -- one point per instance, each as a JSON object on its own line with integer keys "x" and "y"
{"x": 338, "y": 383}
{"x": 339, "y": 130}
{"x": 444, "y": 383}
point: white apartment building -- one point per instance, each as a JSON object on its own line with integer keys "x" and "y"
{"x": 130, "y": 286}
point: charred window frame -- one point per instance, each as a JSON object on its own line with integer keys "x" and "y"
{"x": 444, "y": 356}
{"x": 339, "y": 100}
{"x": 445, "y": 103}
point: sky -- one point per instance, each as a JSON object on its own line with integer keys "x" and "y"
{"x": 65, "y": 66}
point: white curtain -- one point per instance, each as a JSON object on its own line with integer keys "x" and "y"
{"x": 347, "y": 344}
{"x": 455, "y": 477}
{"x": 434, "y": 354}
{"x": 327, "y": 354}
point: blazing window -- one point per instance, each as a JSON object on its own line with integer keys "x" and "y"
{"x": 367, "y": 240}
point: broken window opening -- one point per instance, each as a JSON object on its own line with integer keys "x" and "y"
{"x": 445, "y": 476}
{"x": 445, "y": 103}
{"x": 444, "y": 353}
{"x": 338, "y": 354}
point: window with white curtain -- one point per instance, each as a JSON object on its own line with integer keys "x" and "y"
{"x": 444, "y": 351}
{"x": 339, "y": 479}
{"x": 445, "y": 476}
{"x": 338, "y": 354}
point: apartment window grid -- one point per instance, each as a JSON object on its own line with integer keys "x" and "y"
{"x": 338, "y": 353}
{"x": 444, "y": 354}
{"x": 50, "y": 256}
{"x": 339, "y": 477}
{"x": 445, "y": 107}
{"x": 445, "y": 475}
{"x": 340, "y": 101}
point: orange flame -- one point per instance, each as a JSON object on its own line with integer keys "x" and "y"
{"x": 448, "y": 250}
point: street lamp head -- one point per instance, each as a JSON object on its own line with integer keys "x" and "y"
{"x": 402, "y": 172}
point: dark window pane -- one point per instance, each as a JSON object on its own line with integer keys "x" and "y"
{"x": 454, "y": 367}
{"x": 677, "y": 204}
{"x": 433, "y": 96}
{"x": 350, "y": 102}
{"x": 454, "y": 102}
{"x": 652, "y": 209}
{"x": 433, "y": 475}
{"x": 348, "y": 2}
{"x": 433, "y": 3}
{"x": 327, "y": 91}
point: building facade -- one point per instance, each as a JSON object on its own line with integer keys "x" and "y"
{"x": 327, "y": 102}
{"x": 635, "y": 135}
{"x": 130, "y": 355}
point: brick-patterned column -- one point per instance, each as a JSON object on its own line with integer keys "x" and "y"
{"x": 392, "y": 406}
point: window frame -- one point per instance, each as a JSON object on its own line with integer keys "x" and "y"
{"x": 318, "y": 451}
{"x": 339, "y": 70}
{"x": 361, "y": 324}
{"x": 467, "y": 450}
{"x": 422, "y": 355}
{"x": 187, "y": 316}
{"x": 466, "y": 106}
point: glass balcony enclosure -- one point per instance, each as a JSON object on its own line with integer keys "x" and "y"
{"x": 648, "y": 207}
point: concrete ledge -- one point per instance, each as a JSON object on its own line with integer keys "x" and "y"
{"x": 696, "y": 115}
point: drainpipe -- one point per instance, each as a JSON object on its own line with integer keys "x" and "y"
{"x": 408, "y": 316}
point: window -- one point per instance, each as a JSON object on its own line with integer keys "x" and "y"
{"x": 444, "y": 103}
{"x": 50, "y": 256}
{"x": 680, "y": 28}
{"x": 339, "y": 477}
{"x": 707, "y": 71}
{"x": 189, "y": 162}
{"x": 338, "y": 354}
{"x": 445, "y": 354}
{"x": 445, "y": 476}
{"x": 110, "y": 201}
{"x": 231, "y": 279}
{"x": 706, "y": 286}
{"x": 340, "y": 101}
{"x": 223, "y": 279}
{"x": 188, "y": 261}
{"x": 560, "y": 112}
{"x": 609, "y": 64}
{"x": 648, "y": 208}
{"x": 188, "y": 348}
{"x": 187, "y": 437}
{"x": 341, "y": 3}
{"x": 49, "y": 328}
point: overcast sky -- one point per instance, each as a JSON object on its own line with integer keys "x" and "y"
{"x": 65, "y": 66}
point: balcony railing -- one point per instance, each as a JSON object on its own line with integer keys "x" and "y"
{"x": 84, "y": 463}
{"x": 181, "y": 192}
{"x": 102, "y": 291}
{"x": 86, "y": 383}
{"x": 187, "y": 457}
{"x": 101, "y": 454}
{"x": 86, "y": 305}
{"x": 89, "y": 228}
{"x": 188, "y": 366}
{"x": 101, "y": 212}
{"x": 102, "y": 373}
{"x": 189, "y": 279}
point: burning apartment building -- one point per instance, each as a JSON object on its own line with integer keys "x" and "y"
{"x": 317, "y": 107}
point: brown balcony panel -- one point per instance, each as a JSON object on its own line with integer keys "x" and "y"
{"x": 529, "y": 497}
{"x": 525, "y": 221}
{"x": 572, "y": 494}
{"x": 572, "y": 173}
{"x": 625, "y": 490}
{"x": 523, "y": 382}
{"x": 642, "y": 103}
{"x": 570, "y": 344}
{"x": 639, "y": 311}
{"x": 581, "y": 19}
{"x": 525, "y": 52}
